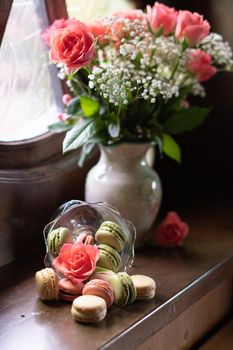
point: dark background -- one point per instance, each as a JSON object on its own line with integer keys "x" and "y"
{"x": 206, "y": 172}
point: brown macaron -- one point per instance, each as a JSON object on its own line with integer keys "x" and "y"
{"x": 47, "y": 284}
{"x": 69, "y": 291}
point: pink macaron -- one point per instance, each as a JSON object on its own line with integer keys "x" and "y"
{"x": 69, "y": 291}
{"x": 85, "y": 238}
{"x": 101, "y": 289}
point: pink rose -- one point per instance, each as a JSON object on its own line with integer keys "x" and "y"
{"x": 199, "y": 64}
{"x": 73, "y": 45}
{"x": 162, "y": 16}
{"x": 192, "y": 27}
{"x": 172, "y": 231}
{"x": 130, "y": 14}
{"x": 77, "y": 261}
{"x": 98, "y": 31}
{"x": 57, "y": 24}
{"x": 96, "y": 28}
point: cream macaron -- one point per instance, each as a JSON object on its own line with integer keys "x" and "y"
{"x": 89, "y": 309}
{"x": 46, "y": 284}
{"x": 145, "y": 286}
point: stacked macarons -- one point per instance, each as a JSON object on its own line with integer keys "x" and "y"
{"x": 106, "y": 286}
{"x": 111, "y": 234}
{"x": 97, "y": 297}
{"x": 109, "y": 257}
{"x": 111, "y": 241}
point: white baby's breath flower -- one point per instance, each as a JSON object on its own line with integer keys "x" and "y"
{"x": 219, "y": 50}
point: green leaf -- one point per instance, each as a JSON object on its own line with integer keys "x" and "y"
{"x": 158, "y": 32}
{"x": 73, "y": 106}
{"x": 86, "y": 151}
{"x": 171, "y": 148}
{"x": 185, "y": 120}
{"x": 159, "y": 143}
{"x": 184, "y": 44}
{"x": 59, "y": 127}
{"x": 78, "y": 135}
{"x": 89, "y": 106}
{"x": 138, "y": 60}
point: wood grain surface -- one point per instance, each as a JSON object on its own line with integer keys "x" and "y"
{"x": 192, "y": 325}
{"x": 222, "y": 340}
{"x": 183, "y": 275}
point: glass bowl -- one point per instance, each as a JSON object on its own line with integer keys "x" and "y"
{"x": 76, "y": 214}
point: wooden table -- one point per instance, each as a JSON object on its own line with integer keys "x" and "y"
{"x": 194, "y": 292}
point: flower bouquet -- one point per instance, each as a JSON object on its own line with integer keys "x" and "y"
{"x": 130, "y": 76}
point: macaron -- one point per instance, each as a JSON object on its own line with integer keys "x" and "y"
{"x": 85, "y": 234}
{"x": 101, "y": 289}
{"x": 89, "y": 309}
{"x": 85, "y": 239}
{"x": 145, "y": 287}
{"x": 109, "y": 257}
{"x": 56, "y": 239}
{"x": 47, "y": 284}
{"x": 124, "y": 290}
{"x": 101, "y": 273}
{"x": 111, "y": 233}
{"x": 69, "y": 291}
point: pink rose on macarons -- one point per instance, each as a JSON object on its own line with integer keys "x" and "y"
{"x": 199, "y": 64}
{"x": 192, "y": 27}
{"x": 162, "y": 16}
{"x": 172, "y": 231}
{"x": 76, "y": 261}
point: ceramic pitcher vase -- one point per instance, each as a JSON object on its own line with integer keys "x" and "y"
{"x": 123, "y": 178}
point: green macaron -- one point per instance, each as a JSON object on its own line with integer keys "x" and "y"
{"x": 127, "y": 280}
{"x": 111, "y": 233}
{"x": 124, "y": 290}
{"x": 109, "y": 257}
{"x": 56, "y": 239}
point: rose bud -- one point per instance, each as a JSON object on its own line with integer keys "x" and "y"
{"x": 172, "y": 231}
{"x": 66, "y": 99}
